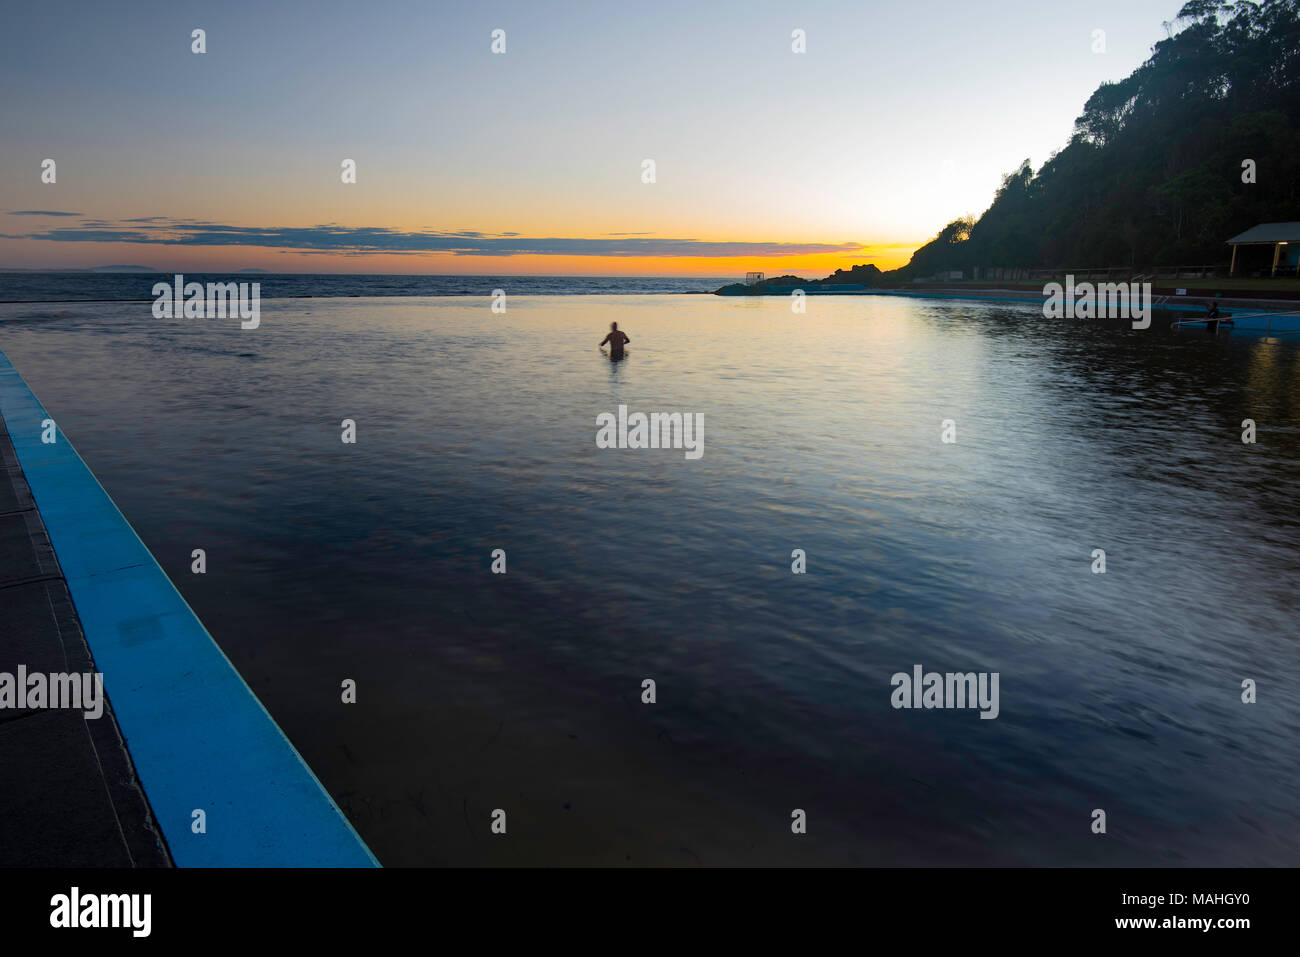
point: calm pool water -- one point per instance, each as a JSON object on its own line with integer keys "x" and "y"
{"x": 326, "y": 561}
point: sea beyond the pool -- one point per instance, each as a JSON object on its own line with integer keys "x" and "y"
{"x": 54, "y": 286}
{"x": 1061, "y": 513}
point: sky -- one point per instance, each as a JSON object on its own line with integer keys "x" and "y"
{"x": 898, "y": 118}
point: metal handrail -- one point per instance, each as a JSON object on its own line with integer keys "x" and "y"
{"x": 1231, "y": 320}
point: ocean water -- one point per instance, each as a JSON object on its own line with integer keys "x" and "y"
{"x": 125, "y": 286}
{"x": 822, "y": 432}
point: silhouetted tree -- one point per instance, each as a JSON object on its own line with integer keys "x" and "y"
{"x": 1152, "y": 172}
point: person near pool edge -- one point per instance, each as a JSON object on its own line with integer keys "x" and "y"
{"x": 617, "y": 340}
{"x": 1212, "y": 309}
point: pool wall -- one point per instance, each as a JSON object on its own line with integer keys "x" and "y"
{"x": 198, "y": 736}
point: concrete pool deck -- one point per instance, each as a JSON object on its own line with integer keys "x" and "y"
{"x": 182, "y": 734}
{"x": 70, "y": 795}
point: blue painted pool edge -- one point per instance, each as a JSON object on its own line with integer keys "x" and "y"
{"x": 198, "y": 736}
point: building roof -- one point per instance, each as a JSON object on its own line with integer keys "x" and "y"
{"x": 1269, "y": 233}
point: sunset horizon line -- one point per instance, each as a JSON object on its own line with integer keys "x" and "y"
{"x": 205, "y": 246}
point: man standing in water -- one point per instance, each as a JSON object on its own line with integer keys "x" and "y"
{"x": 617, "y": 340}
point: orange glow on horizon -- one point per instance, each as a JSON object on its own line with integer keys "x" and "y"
{"x": 234, "y": 258}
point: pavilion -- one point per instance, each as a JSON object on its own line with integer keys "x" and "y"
{"x": 1283, "y": 237}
